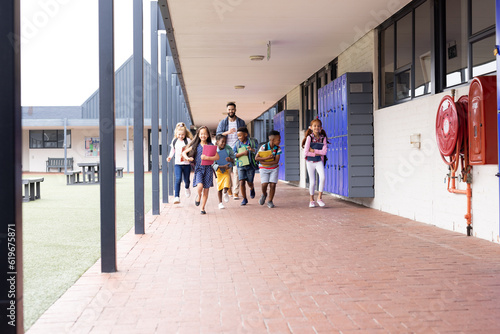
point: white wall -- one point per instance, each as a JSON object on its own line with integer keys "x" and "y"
{"x": 34, "y": 160}
{"x": 410, "y": 182}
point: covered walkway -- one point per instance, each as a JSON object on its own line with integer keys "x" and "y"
{"x": 292, "y": 269}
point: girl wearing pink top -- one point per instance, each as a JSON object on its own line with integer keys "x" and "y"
{"x": 315, "y": 148}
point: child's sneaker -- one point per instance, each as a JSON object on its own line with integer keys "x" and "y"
{"x": 188, "y": 192}
{"x": 226, "y": 197}
{"x": 270, "y": 204}
{"x": 262, "y": 199}
{"x": 235, "y": 196}
{"x": 320, "y": 203}
{"x": 312, "y": 204}
{"x": 244, "y": 202}
{"x": 177, "y": 200}
{"x": 252, "y": 193}
{"x": 221, "y": 206}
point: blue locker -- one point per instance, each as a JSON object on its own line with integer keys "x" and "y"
{"x": 320, "y": 103}
{"x": 335, "y": 107}
{"x": 329, "y": 165}
{"x": 339, "y": 107}
{"x": 345, "y": 169}
{"x": 329, "y": 115}
{"x": 345, "y": 106}
{"x": 281, "y": 172}
{"x": 287, "y": 123}
{"x": 340, "y": 167}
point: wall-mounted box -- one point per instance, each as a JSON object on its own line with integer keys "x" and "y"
{"x": 482, "y": 123}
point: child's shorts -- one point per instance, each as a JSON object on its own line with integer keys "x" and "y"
{"x": 223, "y": 179}
{"x": 269, "y": 175}
{"x": 246, "y": 173}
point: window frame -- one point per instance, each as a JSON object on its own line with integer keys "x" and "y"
{"x": 60, "y": 133}
{"x": 437, "y": 48}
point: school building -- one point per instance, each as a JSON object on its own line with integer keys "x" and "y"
{"x": 414, "y": 53}
{"x": 376, "y": 73}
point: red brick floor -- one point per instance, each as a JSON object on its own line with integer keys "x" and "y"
{"x": 339, "y": 269}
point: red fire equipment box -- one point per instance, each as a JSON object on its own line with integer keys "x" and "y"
{"x": 483, "y": 121}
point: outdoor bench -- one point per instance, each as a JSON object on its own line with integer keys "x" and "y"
{"x": 73, "y": 177}
{"x": 31, "y": 189}
{"x": 59, "y": 163}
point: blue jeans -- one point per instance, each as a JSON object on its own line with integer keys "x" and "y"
{"x": 181, "y": 170}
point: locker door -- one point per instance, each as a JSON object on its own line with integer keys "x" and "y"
{"x": 341, "y": 167}
{"x": 335, "y": 172}
{"x": 344, "y": 105}
{"x": 335, "y": 107}
{"x": 320, "y": 103}
{"x": 323, "y": 103}
{"x": 345, "y": 176}
{"x": 329, "y": 115}
{"x": 282, "y": 170}
{"x": 328, "y": 171}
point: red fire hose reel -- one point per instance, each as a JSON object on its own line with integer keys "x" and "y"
{"x": 452, "y": 140}
{"x": 451, "y": 129}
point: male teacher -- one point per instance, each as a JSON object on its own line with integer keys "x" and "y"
{"x": 228, "y": 127}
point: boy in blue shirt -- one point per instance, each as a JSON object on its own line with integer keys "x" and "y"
{"x": 269, "y": 167}
{"x": 246, "y": 171}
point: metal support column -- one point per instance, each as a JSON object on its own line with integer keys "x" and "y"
{"x": 11, "y": 232}
{"x": 128, "y": 146}
{"x": 170, "y": 118}
{"x": 107, "y": 136}
{"x": 65, "y": 144}
{"x": 154, "y": 110}
{"x": 164, "y": 123}
{"x": 138, "y": 118}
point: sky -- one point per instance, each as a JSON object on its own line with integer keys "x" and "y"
{"x": 60, "y": 45}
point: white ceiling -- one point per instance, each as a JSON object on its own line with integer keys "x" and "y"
{"x": 215, "y": 38}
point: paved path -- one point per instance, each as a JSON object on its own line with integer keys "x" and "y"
{"x": 339, "y": 269}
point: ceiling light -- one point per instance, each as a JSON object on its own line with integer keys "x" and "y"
{"x": 239, "y": 87}
{"x": 257, "y": 57}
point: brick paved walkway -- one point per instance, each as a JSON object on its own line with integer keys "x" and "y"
{"x": 292, "y": 269}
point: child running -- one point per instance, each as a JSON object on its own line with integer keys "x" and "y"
{"x": 223, "y": 170}
{"x": 182, "y": 167}
{"x": 315, "y": 148}
{"x": 268, "y": 158}
{"x": 203, "y": 174}
{"x": 244, "y": 150}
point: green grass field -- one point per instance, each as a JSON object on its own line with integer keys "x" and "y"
{"x": 61, "y": 236}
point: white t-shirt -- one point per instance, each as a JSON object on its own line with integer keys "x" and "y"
{"x": 232, "y": 138}
{"x": 177, "y": 150}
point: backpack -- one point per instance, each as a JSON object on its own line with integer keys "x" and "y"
{"x": 175, "y": 141}
{"x": 251, "y": 157}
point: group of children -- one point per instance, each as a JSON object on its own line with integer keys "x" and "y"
{"x": 189, "y": 151}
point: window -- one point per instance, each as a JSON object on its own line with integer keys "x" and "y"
{"x": 483, "y": 15}
{"x": 309, "y": 101}
{"x": 387, "y": 64}
{"x": 422, "y": 49}
{"x": 483, "y": 61}
{"x": 456, "y": 42}
{"x": 49, "y": 138}
{"x": 282, "y": 104}
{"x": 405, "y": 55}
{"x": 465, "y": 30}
